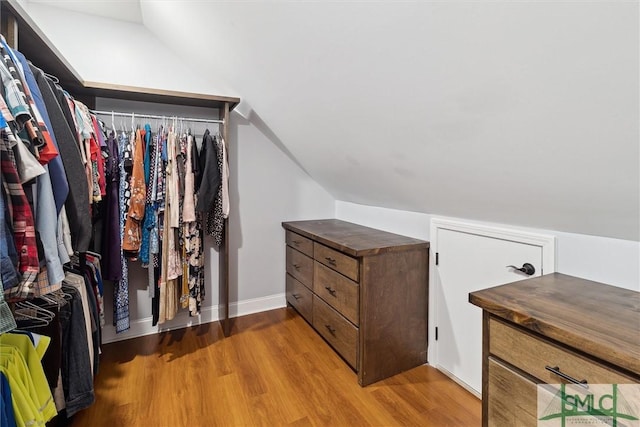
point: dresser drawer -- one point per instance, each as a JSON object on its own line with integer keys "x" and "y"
{"x": 300, "y": 298}
{"x": 512, "y": 397}
{"x": 337, "y": 330}
{"x": 338, "y": 291}
{"x": 338, "y": 261}
{"x": 300, "y": 266}
{"x": 299, "y": 242}
{"x": 532, "y": 354}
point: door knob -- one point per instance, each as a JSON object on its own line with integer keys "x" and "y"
{"x": 526, "y": 268}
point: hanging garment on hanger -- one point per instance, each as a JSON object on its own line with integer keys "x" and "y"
{"x": 98, "y": 152}
{"x": 26, "y": 114}
{"x": 8, "y": 259}
{"x": 22, "y": 218}
{"x": 78, "y": 283}
{"x": 59, "y": 182}
{"x": 211, "y": 176}
{"x": 170, "y": 265}
{"x": 172, "y": 212}
{"x": 77, "y": 374}
{"x": 226, "y": 206}
{"x": 135, "y": 213}
{"x": 48, "y": 150}
{"x": 188, "y": 206}
{"x": 47, "y": 227}
{"x": 112, "y": 248}
{"x": 121, "y": 293}
{"x": 215, "y": 216}
{"x": 76, "y": 203}
{"x": 193, "y": 247}
{"x": 149, "y": 210}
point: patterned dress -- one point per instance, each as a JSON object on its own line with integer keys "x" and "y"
{"x": 121, "y": 294}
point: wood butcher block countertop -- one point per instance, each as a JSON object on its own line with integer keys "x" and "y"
{"x": 598, "y": 319}
{"x": 353, "y": 239}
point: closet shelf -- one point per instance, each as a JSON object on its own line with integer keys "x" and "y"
{"x": 34, "y": 44}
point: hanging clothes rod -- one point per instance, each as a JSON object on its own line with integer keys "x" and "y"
{"x": 153, "y": 116}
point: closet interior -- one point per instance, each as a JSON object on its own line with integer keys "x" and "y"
{"x": 161, "y": 151}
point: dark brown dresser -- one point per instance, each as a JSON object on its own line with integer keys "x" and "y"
{"x": 365, "y": 291}
{"x": 553, "y": 329}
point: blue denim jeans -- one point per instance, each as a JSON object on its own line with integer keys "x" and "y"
{"x": 77, "y": 372}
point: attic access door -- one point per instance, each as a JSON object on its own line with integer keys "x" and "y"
{"x": 472, "y": 257}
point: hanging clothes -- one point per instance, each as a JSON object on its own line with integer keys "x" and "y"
{"x": 77, "y": 207}
{"x": 24, "y": 235}
{"x": 194, "y": 251}
{"x": 121, "y": 292}
{"x": 215, "y": 216}
{"x": 112, "y": 247}
{"x": 135, "y": 213}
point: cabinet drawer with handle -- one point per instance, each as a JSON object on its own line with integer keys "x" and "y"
{"x": 338, "y": 291}
{"x": 300, "y": 298}
{"x": 337, "y": 330}
{"x": 300, "y": 266}
{"x": 545, "y": 360}
{"x": 343, "y": 264}
{"x": 299, "y": 242}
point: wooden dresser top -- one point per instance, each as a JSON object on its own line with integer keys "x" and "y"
{"x": 598, "y": 319}
{"x": 353, "y": 239}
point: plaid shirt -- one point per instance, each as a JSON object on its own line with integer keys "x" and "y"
{"x": 24, "y": 234}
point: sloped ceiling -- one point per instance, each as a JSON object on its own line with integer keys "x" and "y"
{"x": 514, "y": 112}
{"x": 124, "y": 10}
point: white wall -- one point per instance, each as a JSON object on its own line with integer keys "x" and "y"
{"x": 612, "y": 261}
{"x": 112, "y": 51}
{"x": 515, "y": 112}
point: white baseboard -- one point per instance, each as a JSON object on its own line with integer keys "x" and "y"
{"x": 461, "y": 383}
{"x": 142, "y": 327}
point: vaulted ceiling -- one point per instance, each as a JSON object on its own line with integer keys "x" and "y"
{"x": 514, "y": 112}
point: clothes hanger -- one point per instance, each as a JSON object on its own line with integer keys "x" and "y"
{"x": 52, "y": 77}
{"x": 29, "y": 311}
{"x": 25, "y": 317}
{"x": 94, "y": 254}
{"x": 56, "y": 298}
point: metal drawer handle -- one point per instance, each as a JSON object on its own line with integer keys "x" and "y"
{"x": 556, "y": 370}
{"x": 331, "y": 291}
{"x": 330, "y": 260}
{"x": 296, "y": 242}
{"x": 296, "y": 266}
{"x": 332, "y": 331}
{"x": 296, "y": 296}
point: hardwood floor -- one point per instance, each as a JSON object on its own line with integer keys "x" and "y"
{"x": 274, "y": 370}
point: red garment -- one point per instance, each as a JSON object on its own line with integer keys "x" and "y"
{"x": 96, "y": 156}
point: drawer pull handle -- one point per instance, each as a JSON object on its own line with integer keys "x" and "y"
{"x": 331, "y": 330}
{"x": 296, "y": 266}
{"x": 556, "y": 370}
{"x": 296, "y": 296}
{"x": 331, "y": 291}
{"x": 296, "y": 242}
{"x": 330, "y": 260}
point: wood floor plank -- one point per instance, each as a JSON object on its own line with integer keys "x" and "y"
{"x": 274, "y": 370}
